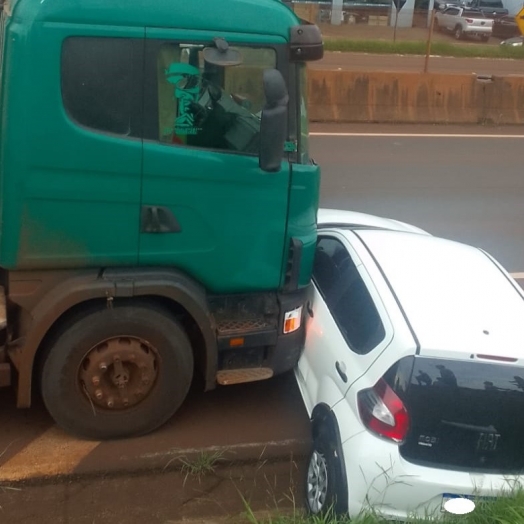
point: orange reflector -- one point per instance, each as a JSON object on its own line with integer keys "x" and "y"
{"x": 292, "y": 320}
{"x": 236, "y": 342}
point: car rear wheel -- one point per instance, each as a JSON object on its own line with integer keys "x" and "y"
{"x": 458, "y": 33}
{"x": 324, "y": 479}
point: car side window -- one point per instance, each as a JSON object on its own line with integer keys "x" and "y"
{"x": 209, "y": 106}
{"x": 347, "y": 296}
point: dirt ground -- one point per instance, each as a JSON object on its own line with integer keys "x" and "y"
{"x": 158, "y": 497}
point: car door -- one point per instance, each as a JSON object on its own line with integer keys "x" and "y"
{"x": 207, "y": 207}
{"x": 348, "y": 326}
{"x": 450, "y": 17}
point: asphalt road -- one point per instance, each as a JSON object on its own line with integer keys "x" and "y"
{"x": 415, "y": 64}
{"x": 467, "y": 188}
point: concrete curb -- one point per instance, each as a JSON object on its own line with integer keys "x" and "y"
{"x": 47, "y": 469}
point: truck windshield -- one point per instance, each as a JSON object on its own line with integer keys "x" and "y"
{"x": 304, "y": 115}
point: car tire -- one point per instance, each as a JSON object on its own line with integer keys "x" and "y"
{"x": 458, "y": 33}
{"x": 324, "y": 479}
{"x": 104, "y": 357}
{"x": 436, "y": 26}
{"x": 484, "y": 38}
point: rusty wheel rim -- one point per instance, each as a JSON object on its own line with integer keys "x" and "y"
{"x": 119, "y": 373}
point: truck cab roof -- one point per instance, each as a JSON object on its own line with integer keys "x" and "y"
{"x": 195, "y": 15}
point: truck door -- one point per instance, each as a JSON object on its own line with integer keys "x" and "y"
{"x": 207, "y": 207}
{"x": 73, "y": 150}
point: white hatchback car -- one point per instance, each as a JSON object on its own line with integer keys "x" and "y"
{"x": 413, "y": 370}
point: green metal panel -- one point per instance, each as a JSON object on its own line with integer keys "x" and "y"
{"x": 254, "y": 16}
{"x": 302, "y": 219}
{"x": 70, "y": 196}
{"x": 232, "y": 214}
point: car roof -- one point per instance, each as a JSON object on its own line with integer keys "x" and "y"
{"x": 455, "y": 297}
{"x": 329, "y": 218}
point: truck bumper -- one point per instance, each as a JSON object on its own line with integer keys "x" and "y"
{"x": 246, "y": 356}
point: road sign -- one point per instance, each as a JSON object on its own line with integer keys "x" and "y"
{"x": 520, "y": 20}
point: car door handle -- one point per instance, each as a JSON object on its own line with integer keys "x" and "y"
{"x": 309, "y": 309}
{"x": 341, "y": 370}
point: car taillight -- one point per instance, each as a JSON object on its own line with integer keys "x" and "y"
{"x": 469, "y": 20}
{"x": 383, "y": 413}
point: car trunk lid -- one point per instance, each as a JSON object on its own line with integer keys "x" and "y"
{"x": 464, "y": 415}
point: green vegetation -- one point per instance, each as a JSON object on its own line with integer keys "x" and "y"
{"x": 419, "y": 48}
{"x": 199, "y": 466}
{"x": 505, "y": 510}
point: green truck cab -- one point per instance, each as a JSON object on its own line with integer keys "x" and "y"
{"x": 157, "y": 202}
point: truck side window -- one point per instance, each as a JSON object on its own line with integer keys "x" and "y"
{"x": 102, "y": 83}
{"x": 208, "y": 106}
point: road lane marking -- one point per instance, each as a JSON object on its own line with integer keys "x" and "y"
{"x": 413, "y": 135}
{"x": 54, "y": 453}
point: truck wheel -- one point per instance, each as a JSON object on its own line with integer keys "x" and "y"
{"x": 458, "y": 33}
{"x": 118, "y": 372}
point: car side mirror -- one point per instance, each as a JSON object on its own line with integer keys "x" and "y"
{"x": 274, "y": 120}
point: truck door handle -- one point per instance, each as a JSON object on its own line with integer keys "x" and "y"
{"x": 158, "y": 219}
{"x": 341, "y": 370}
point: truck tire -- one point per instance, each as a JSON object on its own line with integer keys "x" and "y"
{"x": 458, "y": 33}
{"x": 117, "y": 372}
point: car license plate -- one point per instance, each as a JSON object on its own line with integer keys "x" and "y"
{"x": 449, "y": 496}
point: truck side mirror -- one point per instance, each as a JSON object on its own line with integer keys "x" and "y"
{"x": 274, "y": 120}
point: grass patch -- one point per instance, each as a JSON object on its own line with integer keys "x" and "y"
{"x": 199, "y": 466}
{"x": 419, "y": 48}
{"x": 504, "y": 510}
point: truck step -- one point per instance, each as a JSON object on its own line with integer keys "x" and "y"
{"x": 228, "y": 377}
{"x": 233, "y": 326}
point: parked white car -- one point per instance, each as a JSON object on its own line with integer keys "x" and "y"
{"x": 412, "y": 372}
{"x": 464, "y": 22}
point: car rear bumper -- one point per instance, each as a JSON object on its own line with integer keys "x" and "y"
{"x": 478, "y": 31}
{"x": 380, "y": 479}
